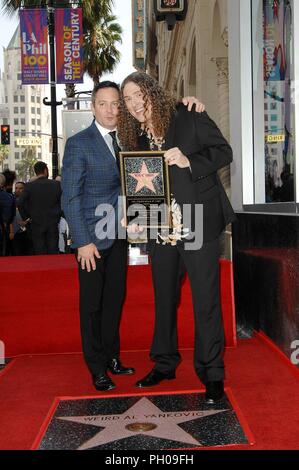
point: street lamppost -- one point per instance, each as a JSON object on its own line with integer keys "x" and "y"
{"x": 53, "y": 103}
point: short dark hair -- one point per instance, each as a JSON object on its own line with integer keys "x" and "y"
{"x": 39, "y": 168}
{"x": 20, "y": 182}
{"x": 10, "y": 177}
{"x": 106, "y": 84}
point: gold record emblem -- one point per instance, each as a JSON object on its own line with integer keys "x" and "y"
{"x": 141, "y": 427}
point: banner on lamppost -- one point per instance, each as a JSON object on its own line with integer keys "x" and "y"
{"x": 69, "y": 45}
{"x": 34, "y": 46}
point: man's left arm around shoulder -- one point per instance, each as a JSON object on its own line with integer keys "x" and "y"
{"x": 214, "y": 151}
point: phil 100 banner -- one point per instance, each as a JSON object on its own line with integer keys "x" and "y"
{"x": 34, "y": 44}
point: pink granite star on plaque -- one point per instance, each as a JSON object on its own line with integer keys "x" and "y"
{"x": 144, "y": 179}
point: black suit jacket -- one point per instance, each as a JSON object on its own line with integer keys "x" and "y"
{"x": 7, "y": 212}
{"x": 198, "y": 137}
{"x": 40, "y": 201}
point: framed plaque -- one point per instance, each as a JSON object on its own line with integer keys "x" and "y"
{"x": 146, "y": 188}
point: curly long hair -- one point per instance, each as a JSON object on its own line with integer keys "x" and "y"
{"x": 163, "y": 107}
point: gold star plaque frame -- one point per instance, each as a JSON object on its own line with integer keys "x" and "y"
{"x": 146, "y": 189}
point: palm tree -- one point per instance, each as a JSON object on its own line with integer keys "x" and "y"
{"x": 4, "y": 152}
{"x": 100, "y": 51}
{"x": 100, "y": 30}
{"x": 95, "y": 9}
{"x": 25, "y": 167}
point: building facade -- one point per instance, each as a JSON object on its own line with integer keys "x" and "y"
{"x": 23, "y": 109}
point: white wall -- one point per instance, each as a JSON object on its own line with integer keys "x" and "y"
{"x": 240, "y": 73}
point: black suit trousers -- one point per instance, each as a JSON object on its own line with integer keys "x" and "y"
{"x": 45, "y": 239}
{"x": 102, "y": 294}
{"x": 202, "y": 267}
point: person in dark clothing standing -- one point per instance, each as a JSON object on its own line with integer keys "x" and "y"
{"x": 41, "y": 203}
{"x": 10, "y": 178}
{"x": 20, "y": 243}
{"x": 195, "y": 149}
{"x": 90, "y": 177}
{"x": 7, "y": 212}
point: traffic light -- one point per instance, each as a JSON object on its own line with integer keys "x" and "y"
{"x": 5, "y": 134}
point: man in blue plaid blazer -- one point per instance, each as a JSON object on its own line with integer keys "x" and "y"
{"x": 91, "y": 187}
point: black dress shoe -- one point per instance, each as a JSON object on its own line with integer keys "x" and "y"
{"x": 103, "y": 383}
{"x": 154, "y": 378}
{"x": 116, "y": 367}
{"x": 214, "y": 391}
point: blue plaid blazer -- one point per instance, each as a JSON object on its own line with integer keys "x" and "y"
{"x": 90, "y": 178}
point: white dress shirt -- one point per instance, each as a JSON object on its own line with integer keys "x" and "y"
{"x": 106, "y": 136}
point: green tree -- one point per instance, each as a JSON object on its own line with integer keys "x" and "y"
{"x": 25, "y": 167}
{"x": 4, "y": 152}
{"x": 100, "y": 47}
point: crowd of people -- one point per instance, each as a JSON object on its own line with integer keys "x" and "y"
{"x": 31, "y": 219}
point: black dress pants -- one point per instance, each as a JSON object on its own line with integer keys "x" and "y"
{"x": 102, "y": 294}
{"x": 45, "y": 239}
{"x": 20, "y": 244}
{"x": 203, "y": 271}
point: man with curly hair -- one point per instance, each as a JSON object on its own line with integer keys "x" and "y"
{"x": 194, "y": 150}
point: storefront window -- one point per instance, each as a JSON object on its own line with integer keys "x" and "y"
{"x": 274, "y": 139}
